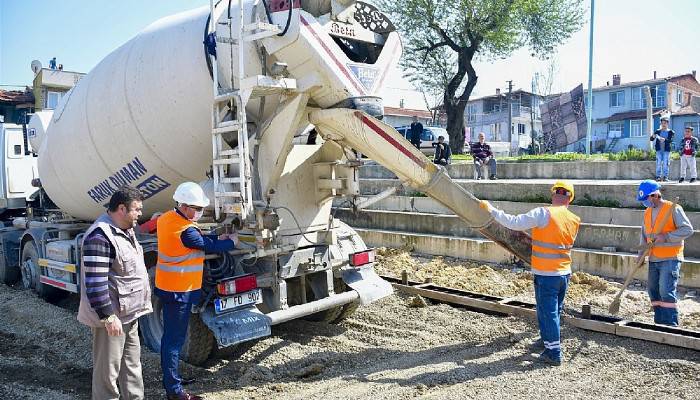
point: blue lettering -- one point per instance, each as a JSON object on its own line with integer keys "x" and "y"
{"x": 152, "y": 186}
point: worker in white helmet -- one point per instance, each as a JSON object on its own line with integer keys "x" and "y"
{"x": 181, "y": 249}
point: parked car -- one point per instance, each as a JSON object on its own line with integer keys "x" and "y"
{"x": 428, "y": 138}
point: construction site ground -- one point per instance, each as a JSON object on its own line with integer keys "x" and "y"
{"x": 388, "y": 350}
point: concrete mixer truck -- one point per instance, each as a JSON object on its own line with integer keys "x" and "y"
{"x": 228, "y": 96}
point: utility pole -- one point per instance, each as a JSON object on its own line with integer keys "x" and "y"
{"x": 510, "y": 118}
{"x": 589, "y": 111}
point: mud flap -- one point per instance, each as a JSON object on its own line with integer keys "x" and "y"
{"x": 367, "y": 284}
{"x": 236, "y": 326}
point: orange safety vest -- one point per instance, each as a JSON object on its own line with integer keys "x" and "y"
{"x": 179, "y": 268}
{"x": 662, "y": 251}
{"x": 551, "y": 245}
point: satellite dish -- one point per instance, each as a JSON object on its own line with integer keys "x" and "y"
{"x": 36, "y": 66}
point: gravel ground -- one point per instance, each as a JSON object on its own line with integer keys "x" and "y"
{"x": 387, "y": 350}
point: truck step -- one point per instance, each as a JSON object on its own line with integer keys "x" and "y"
{"x": 227, "y": 161}
{"x": 228, "y": 194}
{"x": 230, "y": 180}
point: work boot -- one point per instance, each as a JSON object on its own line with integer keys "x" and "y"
{"x": 692, "y": 180}
{"x": 544, "y": 358}
{"x": 187, "y": 381}
{"x": 681, "y": 180}
{"x": 184, "y": 396}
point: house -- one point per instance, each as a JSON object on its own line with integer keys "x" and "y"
{"x": 619, "y": 110}
{"x": 52, "y": 84}
{"x": 401, "y": 105}
{"x": 489, "y": 115}
{"x": 15, "y": 105}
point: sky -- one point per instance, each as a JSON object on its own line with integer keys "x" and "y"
{"x": 632, "y": 38}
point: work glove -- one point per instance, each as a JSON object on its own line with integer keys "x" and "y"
{"x": 485, "y": 205}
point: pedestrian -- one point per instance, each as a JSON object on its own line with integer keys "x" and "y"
{"x": 481, "y": 152}
{"x": 416, "y": 132}
{"x": 666, "y": 254}
{"x": 554, "y": 231}
{"x": 52, "y": 63}
{"x": 443, "y": 153}
{"x": 662, "y": 139}
{"x": 689, "y": 146}
{"x": 114, "y": 293}
{"x": 179, "y": 270}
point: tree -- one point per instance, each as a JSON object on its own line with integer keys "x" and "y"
{"x": 542, "y": 85}
{"x": 442, "y": 38}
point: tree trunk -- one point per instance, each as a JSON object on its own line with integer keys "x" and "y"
{"x": 455, "y": 126}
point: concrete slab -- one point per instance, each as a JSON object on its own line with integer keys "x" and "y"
{"x": 611, "y": 265}
{"x": 590, "y": 236}
{"x": 621, "y": 191}
{"x": 637, "y": 170}
{"x": 593, "y": 215}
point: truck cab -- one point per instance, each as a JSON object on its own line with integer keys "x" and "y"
{"x": 19, "y": 167}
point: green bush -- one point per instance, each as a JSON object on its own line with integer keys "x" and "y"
{"x": 587, "y": 200}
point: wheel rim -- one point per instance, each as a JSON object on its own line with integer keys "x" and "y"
{"x": 29, "y": 274}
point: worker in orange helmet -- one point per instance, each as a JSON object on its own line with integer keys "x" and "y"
{"x": 554, "y": 229}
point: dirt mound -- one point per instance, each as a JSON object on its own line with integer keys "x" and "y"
{"x": 505, "y": 281}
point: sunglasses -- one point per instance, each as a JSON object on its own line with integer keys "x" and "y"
{"x": 655, "y": 195}
{"x": 561, "y": 191}
{"x": 196, "y": 208}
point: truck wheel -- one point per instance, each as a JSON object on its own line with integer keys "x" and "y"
{"x": 348, "y": 309}
{"x": 30, "y": 261}
{"x": 199, "y": 342}
{"x": 330, "y": 315}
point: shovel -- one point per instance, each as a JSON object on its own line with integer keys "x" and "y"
{"x": 615, "y": 305}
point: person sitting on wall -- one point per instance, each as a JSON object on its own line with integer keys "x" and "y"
{"x": 483, "y": 156}
{"x": 443, "y": 153}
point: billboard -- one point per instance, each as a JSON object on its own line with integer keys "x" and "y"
{"x": 563, "y": 120}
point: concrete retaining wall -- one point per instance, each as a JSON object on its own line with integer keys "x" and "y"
{"x": 636, "y": 170}
{"x": 611, "y": 265}
{"x": 624, "y": 192}
{"x": 593, "y": 215}
{"x": 590, "y": 236}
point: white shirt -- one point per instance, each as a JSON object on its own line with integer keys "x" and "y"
{"x": 535, "y": 218}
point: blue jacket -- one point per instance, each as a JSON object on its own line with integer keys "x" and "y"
{"x": 667, "y": 143}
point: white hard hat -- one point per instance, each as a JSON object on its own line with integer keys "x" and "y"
{"x": 191, "y": 194}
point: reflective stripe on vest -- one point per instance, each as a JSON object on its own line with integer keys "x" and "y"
{"x": 551, "y": 245}
{"x": 179, "y": 268}
{"x": 662, "y": 250}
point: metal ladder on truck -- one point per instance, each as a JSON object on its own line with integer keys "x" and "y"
{"x": 226, "y": 95}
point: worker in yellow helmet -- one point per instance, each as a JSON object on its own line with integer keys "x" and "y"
{"x": 554, "y": 230}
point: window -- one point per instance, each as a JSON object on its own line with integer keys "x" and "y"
{"x": 471, "y": 112}
{"x": 638, "y": 128}
{"x": 615, "y": 129}
{"x": 521, "y": 129}
{"x": 496, "y": 131}
{"x": 658, "y": 99}
{"x": 617, "y": 99}
{"x": 679, "y": 97}
{"x": 52, "y": 99}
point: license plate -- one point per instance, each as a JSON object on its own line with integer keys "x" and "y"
{"x": 237, "y": 300}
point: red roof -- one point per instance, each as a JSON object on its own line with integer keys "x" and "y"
{"x": 16, "y": 96}
{"x": 407, "y": 112}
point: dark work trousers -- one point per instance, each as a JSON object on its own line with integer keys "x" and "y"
{"x": 176, "y": 318}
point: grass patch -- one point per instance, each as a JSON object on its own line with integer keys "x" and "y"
{"x": 587, "y": 200}
{"x": 626, "y": 155}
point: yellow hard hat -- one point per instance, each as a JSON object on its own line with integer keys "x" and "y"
{"x": 564, "y": 185}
